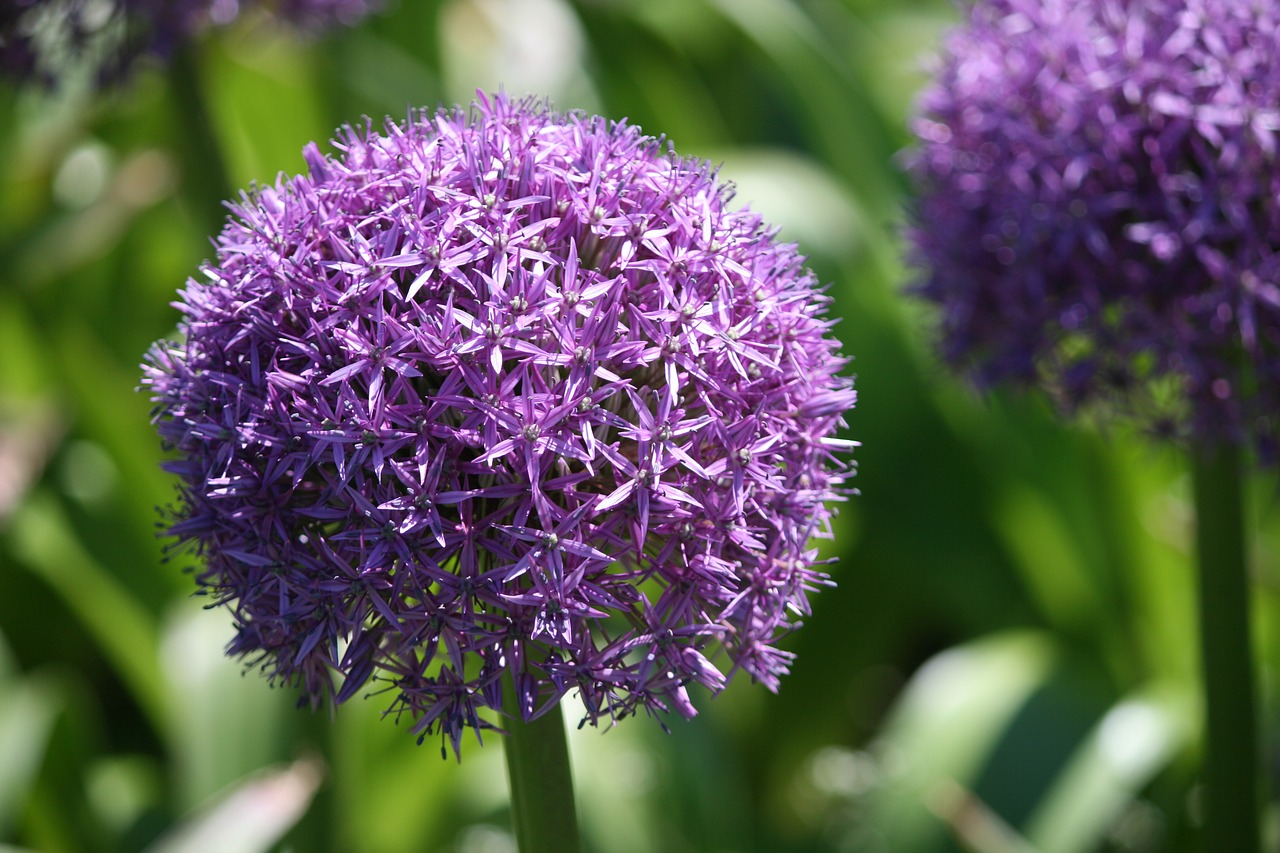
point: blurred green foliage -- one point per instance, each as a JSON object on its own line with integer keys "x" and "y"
{"x": 1007, "y": 664}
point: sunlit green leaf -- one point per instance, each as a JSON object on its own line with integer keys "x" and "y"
{"x": 1133, "y": 741}
{"x": 948, "y": 720}
{"x": 251, "y": 817}
{"x": 126, "y": 633}
{"x": 27, "y": 711}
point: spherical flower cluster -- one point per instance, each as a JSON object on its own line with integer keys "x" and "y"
{"x": 504, "y": 396}
{"x": 41, "y": 40}
{"x": 1099, "y": 206}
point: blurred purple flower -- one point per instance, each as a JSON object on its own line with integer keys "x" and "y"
{"x": 42, "y": 40}
{"x": 504, "y": 392}
{"x": 1099, "y": 206}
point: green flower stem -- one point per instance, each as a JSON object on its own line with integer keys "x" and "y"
{"x": 1231, "y": 768}
{"x": 542, "y": 807}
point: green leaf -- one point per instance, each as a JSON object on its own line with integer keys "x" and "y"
{"x": 251, "y": 817}
{"x": 797, "y": 194}
{"x": 845, "y": 128}
{"x": 1051, "y": 565}
{"x": 947, "y": 722}
{"x": 46, "y": 543}
{"x": 226, "y": 722}
{"x": 1134, "y": 740}
{"x": 28, "y": 709}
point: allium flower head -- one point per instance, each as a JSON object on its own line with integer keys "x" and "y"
{"x": 1100, "y": 206}
{"x": 41, "y": 40}
{"x": 504, "y": 394}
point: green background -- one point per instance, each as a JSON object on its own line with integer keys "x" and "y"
{"x": 1007, "y": 664}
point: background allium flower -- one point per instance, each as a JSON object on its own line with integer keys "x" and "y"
{"x": 1100, "y": 206}
{"x": 41, "y": 40}
{"x": 504, "y": 392}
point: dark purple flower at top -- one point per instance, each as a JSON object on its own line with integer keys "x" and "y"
{"x": 43, "y": 40}
{"x": 504, "y": 395}
{"x": 1099, "y": 206}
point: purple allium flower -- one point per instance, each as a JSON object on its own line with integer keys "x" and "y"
{"x": 41, "y": 39}
{"x": 504, "y": 392}
{"x": 1100, "y": 206}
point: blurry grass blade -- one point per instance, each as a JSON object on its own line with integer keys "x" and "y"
{"x": 1155, "y": 521}
{"x": 532, "y": 47}
{"x": 382, "y": 73}
{"x": 849, "y": 135}
{"x": 262, "y": 102}
{"x": 252, "y": 817}
{"x": 122, "y": 789}
{"x": 893, "y": 55}
{"x": 1050, "y": 564}
{"x": 27, "y": 712}
{"x": 225, "y": 724}
{"x": 45, "y": 542}
{"x": 109, "y": 409}
{"x": 22, "y": 377}
{"x": 946, "y": 723}
{"x": 977, "y": 826}
{"x": 28, "y": 436}
{"x": 1132, "y": 742}
{"x": 395, "y": 796}
{"x": 70, "y": 241}
{"x": 111, "y": 413}
{"x": 796, "y": 193}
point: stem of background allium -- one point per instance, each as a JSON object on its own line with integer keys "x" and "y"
{"x": 542, "y": 808}
{"x": 1231, "y": 741}
{"x": 204, "y": 171}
